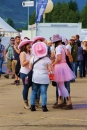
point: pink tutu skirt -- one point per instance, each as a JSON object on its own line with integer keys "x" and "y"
{"x": 63, "y": 73}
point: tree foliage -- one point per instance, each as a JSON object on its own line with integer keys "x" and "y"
{"x": 10, "y": 22}
{"x": 73, "y": 5}
{"x": 83, "y": 16}
{"x": 32, "y": 18}
{"x": 65, "y": 12}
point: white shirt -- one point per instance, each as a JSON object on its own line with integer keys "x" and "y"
{"x": 68, "y": 47}
{"x": 59, "y": 49}
{"x": 25, "y": 69}
{"x": 40, "y": 72}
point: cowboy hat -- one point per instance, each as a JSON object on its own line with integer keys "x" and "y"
{"x": 56, "y": 38}
{"x": 39, "y": 49}
{"x": 72, "y": 38}
{"x": 24, "y": 42}
{"x": 38, "y": 38}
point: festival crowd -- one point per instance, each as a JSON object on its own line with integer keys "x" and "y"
{"x": 39, "y": 62}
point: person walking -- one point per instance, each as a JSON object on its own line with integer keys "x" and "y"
{"x": 10, "y": 57}
{"x": 40, "y": 77}
{"x": 25, "y": 55}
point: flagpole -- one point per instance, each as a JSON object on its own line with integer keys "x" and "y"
{"x": 36, "y": 19}
{"x": 28, "y": 15}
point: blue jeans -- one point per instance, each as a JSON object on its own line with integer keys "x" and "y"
{"x": 38, "y": 94}
{"x": 79, "y": 64}
{"x": 67, "y": 86}
{"x": 43, "y": 91}
{"x": 26, "y": 87}
{"x": 1, "y": 62}
{"x": 74, "y": 67}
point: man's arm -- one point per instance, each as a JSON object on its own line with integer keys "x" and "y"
{"x": 18, "y": 51}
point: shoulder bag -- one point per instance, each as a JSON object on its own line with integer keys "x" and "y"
{"x": 30, "y": 74}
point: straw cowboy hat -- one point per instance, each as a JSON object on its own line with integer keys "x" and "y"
{"x": 39, "y": 49}
{"x": 72, "y": 38}
{"x": 38, "y": 38}
{"x": 24, "y": 42}
{"x": 56, "y": 38}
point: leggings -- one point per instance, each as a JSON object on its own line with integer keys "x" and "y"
{"x": 62, "y": 90}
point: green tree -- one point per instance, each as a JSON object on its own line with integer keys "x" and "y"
{"x": 49, "y": 17}
{"x": 73, "y": 16}
{"x": 73, "y": 5}
{"x": 10, "y": 22}
{"x": 64, "y": 12}
{"x": 56, "y": 12}
{"x": 83, "y": 16}
{"x": 32, "y": 18}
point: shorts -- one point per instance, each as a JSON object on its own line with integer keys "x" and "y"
{"x": 14, "y": 62}
{"x": 9, "y": 64}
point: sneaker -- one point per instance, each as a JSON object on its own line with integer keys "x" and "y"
{"x": 13, "y": 77}
{"x": 6, "y": 76}
{"x": 17, "y": 82}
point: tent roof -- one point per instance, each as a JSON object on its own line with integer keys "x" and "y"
{"x": 6, "y": 27}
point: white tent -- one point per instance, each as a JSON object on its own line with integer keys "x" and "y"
{"x": 6, "y": 27}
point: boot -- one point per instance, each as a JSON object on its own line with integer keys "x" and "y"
{"x": 44, "y": 108}
{"x": 33, "y": 108}
{"x": 6, "y": 76}
{"x": 37, "y": 102}
{"x": 26, "y": 105}
{"x": 13, "y": 77}
{"x": 68, "y": 105}
{"x": 60, "y": 103}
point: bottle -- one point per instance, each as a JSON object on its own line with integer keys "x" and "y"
{"x": 26, "y": 80}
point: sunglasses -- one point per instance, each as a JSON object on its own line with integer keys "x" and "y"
{"x": 12, "y": 40}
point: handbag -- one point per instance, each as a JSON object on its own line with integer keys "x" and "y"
{"x": 51, "y": 76}
{"x": 30, "y": 74}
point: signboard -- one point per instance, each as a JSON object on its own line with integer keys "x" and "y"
{"x": 28, "y": 3}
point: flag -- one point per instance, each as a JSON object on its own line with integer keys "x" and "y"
{"x": 41, "y": 6}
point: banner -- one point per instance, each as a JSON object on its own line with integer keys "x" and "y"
{"x": 40, "y": 8}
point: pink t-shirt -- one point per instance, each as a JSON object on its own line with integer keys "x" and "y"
{"x": 61, "y": 49}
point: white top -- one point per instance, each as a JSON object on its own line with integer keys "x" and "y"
{"x": 52, "y": 48}
{"x": 59, "y": 49}
{"x": 68, "y": 47}
{"x": 25, "y": 69}
{"x": 40, "y": 72}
